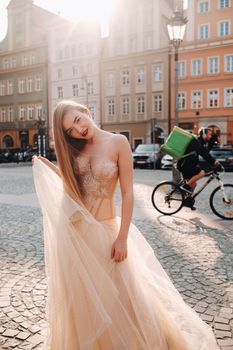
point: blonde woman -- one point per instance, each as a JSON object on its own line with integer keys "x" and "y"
{"x": 106, "y": 289}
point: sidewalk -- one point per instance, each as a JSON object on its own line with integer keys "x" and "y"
{"x": 195, "y": 248}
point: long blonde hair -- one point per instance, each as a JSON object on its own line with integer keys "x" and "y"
{"x": 68, "y": 148}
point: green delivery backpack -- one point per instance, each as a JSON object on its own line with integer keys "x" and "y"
{"x": 177, "y": 143}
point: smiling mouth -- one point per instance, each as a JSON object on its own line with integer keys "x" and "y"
{"x": 85, "y": 133}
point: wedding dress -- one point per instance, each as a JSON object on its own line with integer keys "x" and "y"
{"x": 95, "y": 303}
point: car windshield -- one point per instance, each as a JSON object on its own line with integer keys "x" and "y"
{"x": 222, "y": 153}
{"x": 147, "y": 148}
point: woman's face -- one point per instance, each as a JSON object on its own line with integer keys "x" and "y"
{"x": 78, "y": 125}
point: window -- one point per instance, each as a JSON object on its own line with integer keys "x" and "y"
{"x": 4, "y": 115}
{"x": 158, "y": 103}
{"x": 38, "y": 83}
{"x": 229, "y": 63}
{"x": 90, "y": 88}
{"x": 2, "y": 88}
{"x": 90, "y": 68}
{"x": 181, "y": 100}
{"x": 29, "y": 84}
{"x": 213, "y": 98}
{"x": 204, "y": 6}
{"x": 228, "y": 97}
{"x": 157, "y": 72}
{"x": 140, "y": 104}
{"x": 125, "y": 77}
{"x": 59, "y": 73}
{"x": 181, "y": 69}
{"x": 204, "y": 31}
{"x": 224, "y": 28}
{"x": 60, "y": 92}
{"x": 148, "y": 42}
{"x": 196, "y": 99}
{"x": 133, "y": 45}
{"x": 38, "y": 111}
{"x": 75, "y": 70}
{"x": 196, "y": 67}
{"x": 111, "y": 107}
{"x": 10, "y": 114}
{"x": 140, "y": 75}
{"x": 6, "y": 64}
{"x": 10, "y": 87}
{"x": 75, "y": 90}
{"x": 110, "y": 80}
{"x": 22, "y": 113}
{"x": 213, "y": 65}
{"x": 92, "y": 111}
{"x": 73, "y": 51}
{"x": 125, "y": 105}
{"x": 224, "y": 3}
{"x": 30, "y": 112}
{"x": 32, "y": 59}
{"x": 21, "y": 86}
{"x": 24, "y": 61}
{"x": 13, "y": 62}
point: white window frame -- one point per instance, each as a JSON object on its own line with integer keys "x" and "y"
{"x": 13, "y": 61}
{"x": 38, "y": 83}
{"x": 90, "y": 88}
{"x": 60, "y": 92}
{"x": 199, "y": 6}
{"x": 125, "y": 77}
{"x": 148, "y": 41}
{"x": 182, "y": 95}
{"x": 75, "y": 71}
{"x": 125, "y": 105}
{"x": 157, "y": 72}
{"x": 11, "y": 113}
{"x": 25, "y": 60}
{"x": 208, "y": 98}
{"x": 219, "y": 27}
{"x": 206, "y": 25}
{"x": 226, "y": 64}
{"x": 110, "y": 80}
{"x": 230, "y": 105}
{"x": 29, "y": 84}
{"x": 158, "y": 103}
{"x": 224, "y": 7}
{"x": 30, "y": 112}
{"x": 193, "y": 74}
{"x": 4, "y": 114}
{"x": 75, "y": 90}
{"x": 38, "y": 111}
{"x": 2, "y": 88}
{"x": 21, "y": 86}
{"x": 110, "y": 107}
{"x": 140, "y": 75}
{"x": 184, "y": 63}
{"x": 59, "y": 73}
{"x": 6, "y": 63}
{"x": 140, "y": 104}
{"x": 209, "y": 64}
{"x": 22, "y": 112}
{"x": 10, "y": 87}
{"x": 198, "y": 99}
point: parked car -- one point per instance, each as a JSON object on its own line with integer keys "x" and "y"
{"x": 166, "y": 162}
{"x": 222, "y": 154}
{"x": 147, "y": 155}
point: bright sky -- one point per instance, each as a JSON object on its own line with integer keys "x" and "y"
{"x": 70, "y": 9}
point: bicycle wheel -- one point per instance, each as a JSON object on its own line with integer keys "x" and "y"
{"x": 221, "y": 205}
{"x": 167, "y": 198}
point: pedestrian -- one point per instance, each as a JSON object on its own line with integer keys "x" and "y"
{"x": 106, "y": 289}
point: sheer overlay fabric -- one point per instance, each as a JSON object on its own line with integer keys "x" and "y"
{"x": 95, "y": 303}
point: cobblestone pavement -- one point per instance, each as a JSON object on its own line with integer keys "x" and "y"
{"x": 196, "y": 249}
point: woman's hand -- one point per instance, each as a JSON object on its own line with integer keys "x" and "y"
{"x": 119, "y": 250}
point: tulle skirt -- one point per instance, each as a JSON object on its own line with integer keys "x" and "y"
{"x": 95, "y": 303}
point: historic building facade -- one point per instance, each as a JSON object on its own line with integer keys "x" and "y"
{"x": 205, "y": 96}
{"x": 74, "y": 66}
{"x": 24, "y": 74}
{"x": 134, "y": 72}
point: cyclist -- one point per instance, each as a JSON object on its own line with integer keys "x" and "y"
{"x": 189, "y": 166}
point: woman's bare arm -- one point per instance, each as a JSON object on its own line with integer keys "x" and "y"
{"x": 125, "y": 164}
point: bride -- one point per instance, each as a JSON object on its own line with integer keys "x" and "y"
{"x": 106, "y": 289}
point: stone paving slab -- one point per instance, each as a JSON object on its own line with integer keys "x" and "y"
{"x": 203, "y": 272}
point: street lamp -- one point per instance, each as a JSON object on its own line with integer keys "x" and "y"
{"x": 176, "y": 28}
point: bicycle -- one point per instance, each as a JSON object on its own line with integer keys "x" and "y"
{"x": 168, "y": 198}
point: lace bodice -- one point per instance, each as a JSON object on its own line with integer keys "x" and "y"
{"x": 99, "y": 180}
